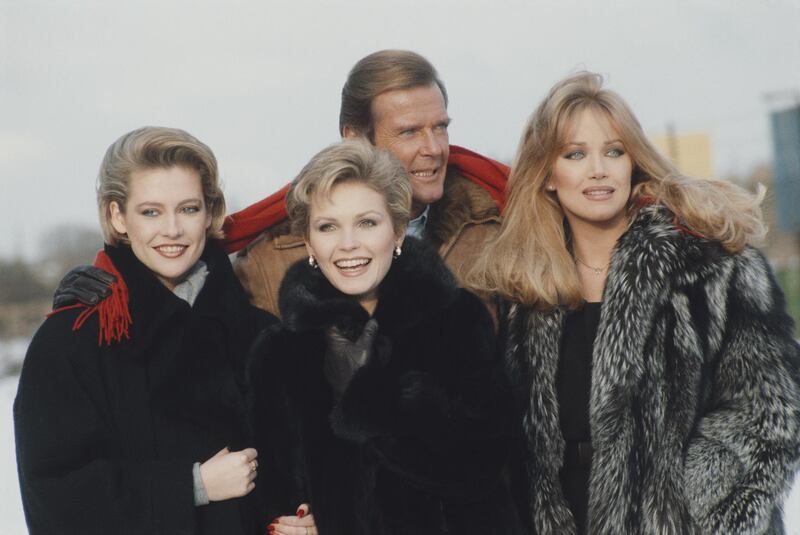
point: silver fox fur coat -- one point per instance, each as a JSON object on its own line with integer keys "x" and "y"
{"x": 695, "y": 396}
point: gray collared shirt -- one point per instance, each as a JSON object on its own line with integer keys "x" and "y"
{"x": 189, "y": 289}
{"x": 416, "y": 227}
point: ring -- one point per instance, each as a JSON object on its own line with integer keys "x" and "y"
{"x": 253, "y": 465}
{"x": 306, "y": 531}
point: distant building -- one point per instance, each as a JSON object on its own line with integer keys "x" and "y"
{"x": 690, "y": 152}
{"x": 786, "y": 149}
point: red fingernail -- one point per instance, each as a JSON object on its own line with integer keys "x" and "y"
{"x": 270, "y": 528}
{"x": 276, "y": 520}
{"x": 300, "y": 513}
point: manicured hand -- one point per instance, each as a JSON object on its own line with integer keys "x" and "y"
{"x": 301, "y": 523}
{"x": 229, "y": 474}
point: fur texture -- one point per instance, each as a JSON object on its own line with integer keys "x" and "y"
{"x": 418, "y": 441}
{"x": 695, "y": 404}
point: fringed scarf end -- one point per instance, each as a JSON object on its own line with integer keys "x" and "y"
{"x": 113, "y": 315}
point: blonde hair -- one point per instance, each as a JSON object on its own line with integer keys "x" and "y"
{"x": 352, "y": 160}
{"x": 155, "y": 147}
{"x": 379, "y": 72}
{"x": 530, "y": 261}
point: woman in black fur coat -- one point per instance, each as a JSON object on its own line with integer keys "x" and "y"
{"x": 652, "y": 357}
{"x": 379, "y": 401}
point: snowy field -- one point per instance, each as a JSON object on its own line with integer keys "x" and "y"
{"x": 12, "y": 521}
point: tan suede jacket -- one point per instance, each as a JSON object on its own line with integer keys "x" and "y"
{"x": 459, "y": 224}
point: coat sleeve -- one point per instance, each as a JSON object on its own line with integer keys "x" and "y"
{"x": 69, "y": 481}
{"x": 444, "y": 426}
{"x": 739, "y": 464}
{"x": 280, "y": 482}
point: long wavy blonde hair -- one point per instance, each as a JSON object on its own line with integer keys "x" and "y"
{"x": 530, "y": 261}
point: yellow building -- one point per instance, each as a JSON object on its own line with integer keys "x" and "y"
{"x": 691, "y": 153}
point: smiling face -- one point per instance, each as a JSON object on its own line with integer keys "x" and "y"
{"x": 412, "y": 125}
{"x": 591, "y": 176}
{"x": 352, "y": 237}
{"x": 165, "y": 219}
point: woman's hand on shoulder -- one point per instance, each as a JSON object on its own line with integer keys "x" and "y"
{"x": 302, "y": 523}
{"x": 229, "y": 474}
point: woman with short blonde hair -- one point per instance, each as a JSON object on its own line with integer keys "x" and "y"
{"x": 380, "y": 400}
{"x": 130, "y": 413}
{"x": 151, "y": 148}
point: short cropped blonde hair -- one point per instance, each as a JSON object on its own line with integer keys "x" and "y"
{"x": 352, "y": 160}
{"x": 155, "y": 147}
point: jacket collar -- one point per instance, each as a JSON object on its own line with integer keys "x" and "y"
{"x": 151, "y": 303}
{"x": 651, "y": 260}
{"x": 462, "y": 203}
{"x": 417, "y": 286}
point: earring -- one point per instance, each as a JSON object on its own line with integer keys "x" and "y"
{"x": 397, "y": 252}
{"x": 550, "y": 187}
{"x": 312, "y": 261}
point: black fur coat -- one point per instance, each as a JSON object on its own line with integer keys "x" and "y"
{"x": 418, "y": 441}
{"x": 694, "y": 404}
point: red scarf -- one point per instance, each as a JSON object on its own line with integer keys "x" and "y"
{"x": 113, "y": 313}
{"x": 245, "y": 225}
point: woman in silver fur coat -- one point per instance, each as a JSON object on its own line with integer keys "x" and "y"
{"x": 651, "y": 354}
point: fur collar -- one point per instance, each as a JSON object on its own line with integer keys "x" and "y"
{"x": 651, "y": 260}
{"x": 417, "y": 286}
{"x": 462, "y": 202}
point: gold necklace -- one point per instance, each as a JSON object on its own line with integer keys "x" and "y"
{"x": 597, "y": 270}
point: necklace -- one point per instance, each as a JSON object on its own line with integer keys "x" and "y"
{"x": 597, "y": 270}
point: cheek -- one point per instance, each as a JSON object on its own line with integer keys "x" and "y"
{"x": 404, "y": 152}
{"x": 318, "y": 245}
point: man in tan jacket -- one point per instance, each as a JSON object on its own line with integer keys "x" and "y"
{"x": 394, "y": 99}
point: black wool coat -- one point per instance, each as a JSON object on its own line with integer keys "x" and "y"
{"x": 695, "y": 395}
{"x": 418, "y": 441}
{"x": 107, "y": 435}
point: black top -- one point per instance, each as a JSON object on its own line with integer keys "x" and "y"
{"x": 573, "y": 387}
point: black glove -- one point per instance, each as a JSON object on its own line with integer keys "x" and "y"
{"x": 343, "y": 357}
{"x": 83, "y": 284}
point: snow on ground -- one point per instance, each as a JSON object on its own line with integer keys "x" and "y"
{"x": 12, "y": 521}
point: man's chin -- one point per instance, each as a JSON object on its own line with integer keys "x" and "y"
{"x": 425, "y": 196}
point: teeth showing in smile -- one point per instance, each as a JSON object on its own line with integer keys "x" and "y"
{"x": 352, "y": 263}
{"x": 423, "y": 174}
{"x": 598, "y": 192}
{"x": 170, "y": 249}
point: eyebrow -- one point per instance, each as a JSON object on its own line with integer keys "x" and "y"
{"x": 362, "y": 214}
{"x": 583, "y": 143}
{"x": 414, "y": 126}
{"x": 161, "y": 205}
{"x": 357, "y": 216}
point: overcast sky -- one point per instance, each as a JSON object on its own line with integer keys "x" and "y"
{"x": 259, "y": 81}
